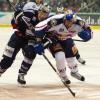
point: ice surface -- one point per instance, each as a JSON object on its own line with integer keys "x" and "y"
{"x": 41, "y": 74}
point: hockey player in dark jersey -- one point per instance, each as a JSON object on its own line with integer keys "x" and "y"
{"x": 29, "y": 52}
{"x": 24, "y": 22}
{"x": 65, "y": 26}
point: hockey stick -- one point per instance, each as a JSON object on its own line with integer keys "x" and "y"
{"x": 10, "y": 4}
{"x": 73, "y": 93}
{"x": 79, "y": 40}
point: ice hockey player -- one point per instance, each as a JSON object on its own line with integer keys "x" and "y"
{"x": 75, "y": 6}
{"x": 24, "y": 22}
{"x": 28, "y": 51}
{"x": 65, "y": 26}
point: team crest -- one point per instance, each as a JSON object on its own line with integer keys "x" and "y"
{"x": 53, "y": 22}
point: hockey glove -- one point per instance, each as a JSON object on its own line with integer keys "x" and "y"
{"x": 39, "y": 49}
{"x": 86, "y": 35}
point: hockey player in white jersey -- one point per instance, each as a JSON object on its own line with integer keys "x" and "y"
{"x": 64, "y": 27}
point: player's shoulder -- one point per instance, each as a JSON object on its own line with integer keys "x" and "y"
{"x": 52, "y": 20}
{"x": 56, "y": 20}
{"x": 80, "y": 21}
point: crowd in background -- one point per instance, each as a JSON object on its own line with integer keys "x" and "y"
{"x": 57, "y": 5}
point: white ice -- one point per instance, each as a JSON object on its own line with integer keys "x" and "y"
{"x": 41, "y": 72}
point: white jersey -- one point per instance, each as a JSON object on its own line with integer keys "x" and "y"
{"x": 61, "y": 29}
{"x": 43, "y": 24}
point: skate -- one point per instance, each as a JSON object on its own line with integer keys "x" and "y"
{"x": 66, "y": 81}
{"x": 21, "y": 79}
{"x": 0, "y": 74}
{"x": 78, "y": 76}
{"x": 2, "y": 71}
{"x": 80, "y": 60}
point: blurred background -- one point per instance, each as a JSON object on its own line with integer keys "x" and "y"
{"x": 88, "y": 9}
{"x": 88, "y": 5}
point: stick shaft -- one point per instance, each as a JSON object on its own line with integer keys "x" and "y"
{"x": 10, "y": 4}
{"x": 73, "y": 93}
{"x": 79, "y": 40}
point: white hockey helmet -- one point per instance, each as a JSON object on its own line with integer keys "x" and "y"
{"x": 45, "y": 8}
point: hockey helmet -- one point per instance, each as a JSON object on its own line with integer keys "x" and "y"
{"x": 20, "y": 6}
{"x": 69, "y": 15}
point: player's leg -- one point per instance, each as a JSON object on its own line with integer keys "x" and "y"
{"x": 29, "y": 56}
{"x": 70, "y": 53}
{"x": 59, "y": 55}
{"x": 61, "y": 66}
{"x": 79, "y": 59}
{"x": 72, "y": 50}
{"x": 10, "y": 52}
{"x": 74, "y": 69}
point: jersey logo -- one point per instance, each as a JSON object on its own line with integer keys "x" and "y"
{"x": 53, "y": 22}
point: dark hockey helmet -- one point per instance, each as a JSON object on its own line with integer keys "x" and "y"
{"x": 20, "y": 6}
{"x": 69, "y": 18}
{"x": 69, "y": 15}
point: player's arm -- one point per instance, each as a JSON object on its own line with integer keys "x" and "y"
{"x": 82, "y": 23}
{"x": 44, "y": 30}
{"x": 53, "y": 22}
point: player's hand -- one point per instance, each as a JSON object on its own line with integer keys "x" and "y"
{"x": 85, "y": 34}
{"x": 39, "y": 48}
